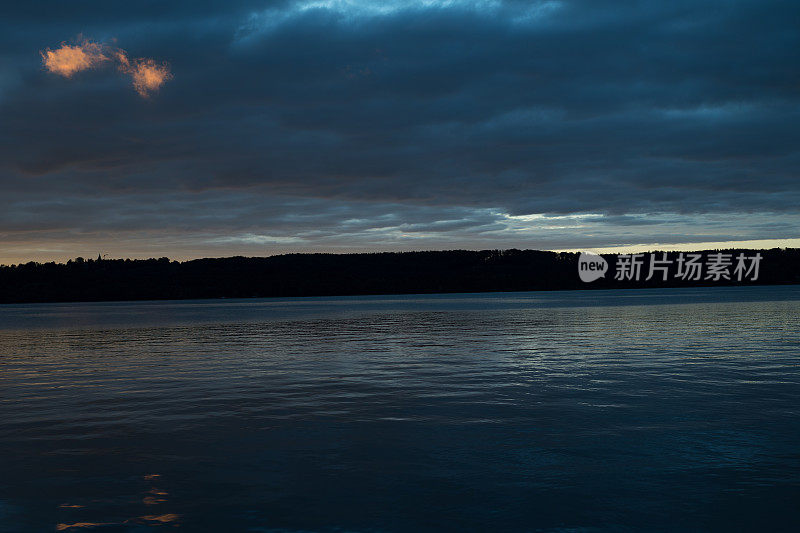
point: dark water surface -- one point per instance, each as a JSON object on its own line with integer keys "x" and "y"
{"x": 645, "y": 410}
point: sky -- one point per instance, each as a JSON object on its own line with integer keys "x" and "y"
{"x": 193, "y": 128}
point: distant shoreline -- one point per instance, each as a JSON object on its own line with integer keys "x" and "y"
{"x": 363, "y": 274}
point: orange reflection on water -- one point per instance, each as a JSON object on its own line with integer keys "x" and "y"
{"x": 164, "y": 518}
{"x": 154, "y": 496}
{"x": 64, "y": 527}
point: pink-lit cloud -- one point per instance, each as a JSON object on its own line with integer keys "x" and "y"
{"x": 69, "y": 59}
{"x": 147, "y": 75}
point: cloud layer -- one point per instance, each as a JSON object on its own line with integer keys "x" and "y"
{"x": 355, "y": 125}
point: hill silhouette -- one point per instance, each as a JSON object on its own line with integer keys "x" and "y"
{"x": 341, "y": 274}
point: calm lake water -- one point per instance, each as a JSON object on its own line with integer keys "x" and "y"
{"x": 643, "y": 410}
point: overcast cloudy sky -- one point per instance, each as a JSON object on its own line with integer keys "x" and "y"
{"x": 357, "y": 125}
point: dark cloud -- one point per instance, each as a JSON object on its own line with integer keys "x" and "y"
{"x": 358, "y": 125}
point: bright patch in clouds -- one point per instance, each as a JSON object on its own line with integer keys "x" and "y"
{"x": 147, "y": 74}
{"x": 69, "y": 59}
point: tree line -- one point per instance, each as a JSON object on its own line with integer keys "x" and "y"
{"x": 345, "y": 274}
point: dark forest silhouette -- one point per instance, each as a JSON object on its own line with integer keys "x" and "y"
{"x": 338, "y": 274}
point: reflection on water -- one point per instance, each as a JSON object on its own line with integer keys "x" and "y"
{"x": 641, "y": 410}
{"x": 154, "y": 496}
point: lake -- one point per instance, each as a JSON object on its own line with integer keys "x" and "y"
{"x": 627, "y": 410}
